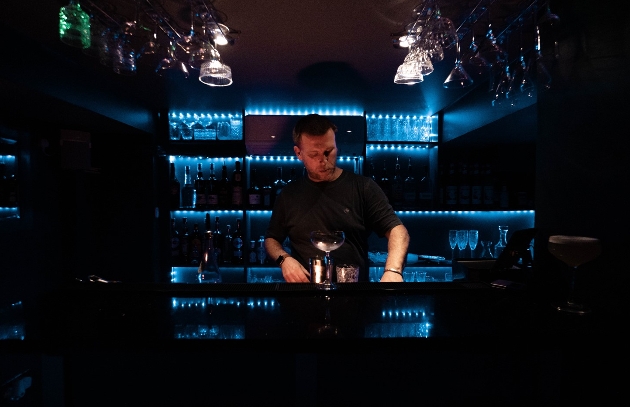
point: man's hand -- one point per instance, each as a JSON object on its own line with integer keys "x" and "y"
{"x": 293, "y": 272}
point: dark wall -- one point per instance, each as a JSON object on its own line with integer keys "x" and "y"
{"x": 582, "y": 144}
{"x": 84, "y": 210}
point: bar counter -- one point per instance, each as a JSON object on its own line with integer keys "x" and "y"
{"x": 291, "y": 344}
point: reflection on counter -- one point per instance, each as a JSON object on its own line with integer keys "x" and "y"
{"x": 229, "y": 318}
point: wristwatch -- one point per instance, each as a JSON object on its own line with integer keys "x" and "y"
{"x": 281, "y": 258}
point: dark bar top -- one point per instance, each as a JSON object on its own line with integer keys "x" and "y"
{"x": 280, "y": 314}
{"x": 278, "y": 344}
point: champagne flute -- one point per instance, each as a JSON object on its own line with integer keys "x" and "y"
{"x": 462, "y": 241}
{"x": 452, "y": 240}
{"x": 327, "y": 242}
{"x": 473, "y": 238}
{"x": 574, "y": 251}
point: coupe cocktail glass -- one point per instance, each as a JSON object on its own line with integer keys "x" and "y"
{"x": 327, "y": 242}
{"x": 574, "y": 251}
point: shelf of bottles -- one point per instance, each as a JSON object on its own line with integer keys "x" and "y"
{"x": 205, "y": 195}
{"x": 227, "y": 196}
{"x": 9, "y": 208}
{"x": 188, "y": 126}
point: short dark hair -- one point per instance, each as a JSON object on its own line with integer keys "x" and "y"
{"x": 314, "y": 124}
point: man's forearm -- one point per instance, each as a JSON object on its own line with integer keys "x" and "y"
{"x": 274, "y": 248}
{"x": 397, "y": 245}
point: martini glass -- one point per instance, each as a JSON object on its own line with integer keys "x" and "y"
{"x": 327, "y": 242}
{"x": 574, "y": 251}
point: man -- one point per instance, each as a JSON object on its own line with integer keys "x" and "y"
{"x": 329, "y": 198}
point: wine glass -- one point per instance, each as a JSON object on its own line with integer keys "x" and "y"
{"x": 574, "y": 251}
{"x": 473, "y": 238}
{"x": 462, "y": 241}
{"x": 452, "y": 240}
{"x": 327, "y": 242}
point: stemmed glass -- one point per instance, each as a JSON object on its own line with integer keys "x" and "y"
{"x": 473, "y": 238}
{"x": 452, "y": 240}
{"x": 574, "y": 251}
{"x": 462, "y": 241}
{"x": 458, "y": 78}
{"x": 327, "y": 242}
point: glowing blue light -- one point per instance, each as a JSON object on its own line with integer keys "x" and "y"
{"x": 327, "y": 111}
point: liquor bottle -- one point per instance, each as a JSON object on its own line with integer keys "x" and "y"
{"x": 476, "y": 188}
{"x": 237, "y": 244}
{"x": 372, "y": 170}
{"x": 278, "y": 184}
{"x": 188, "y": 191}
{"x": 252, "y": 255}
{"x": 212, "y": 195}
{"x": 267, "y": 194}
{"x": 224, "y": 188}
{"x": 195, "y": 245}
{"x": 184, "y": 241}
{"x": 451, "y": 189}
{"x": 254, "y": 197}
{"x": 411, "y": 188}
{"x": 208, "y": 271}
{"x": 227, "y": 245}
{"x": 398, "y": 186}
{"x": 261, "y": 252}
{"x": 293, "y": 176}
{"x": 175, "y": 244}
{"x": 200, "y": 189}
{"x": 175, "y": 189}
{"x": 217, "y": 240}
{"x": 237, "y": 186}
{"x": 384, "y": 182}
{"x": 425, "y": 195}
{"x": 464, "y": 187}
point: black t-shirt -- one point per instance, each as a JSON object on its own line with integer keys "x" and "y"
{"x": 352, "y": 203}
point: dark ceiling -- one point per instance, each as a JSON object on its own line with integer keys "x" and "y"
{"x": 286, "y": 54}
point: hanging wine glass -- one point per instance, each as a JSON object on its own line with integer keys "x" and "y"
{"x": 458, "y": 78}
{"x": 124, "y": 55}
{"x": 215, "y": 72}
{"x": 151, "y": 46}
{"x": 548, "y": 20}
{"x": 408, "y": 73}
{"x": 74, "y": 25}
{"x": 502, "y": 90}
{"x": 543, "y": 77}
{"x": 171, "y": 66}
{"x": 474, "y": 59}
{"x": 490, "y": 50}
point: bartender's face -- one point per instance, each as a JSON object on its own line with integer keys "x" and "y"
{"x": 319, "y": 155}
